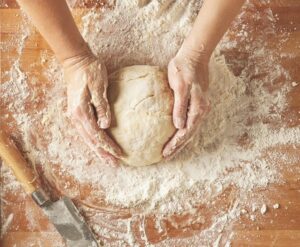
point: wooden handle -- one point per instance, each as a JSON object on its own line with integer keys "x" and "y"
{"x": 14, "y": 159}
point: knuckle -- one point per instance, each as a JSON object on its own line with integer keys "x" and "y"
{"x": 99, "y": 100}
{"x": 101, "y": 104}
{"x": 101, "y": 109}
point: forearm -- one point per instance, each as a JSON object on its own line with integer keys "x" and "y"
{"x": 211, "y": 23}
{"x": 54, "y": 21}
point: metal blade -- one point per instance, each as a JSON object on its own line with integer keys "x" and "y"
{"x": 69, "y": 223}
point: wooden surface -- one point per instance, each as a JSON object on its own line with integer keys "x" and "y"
{"x": 278, "y": 227}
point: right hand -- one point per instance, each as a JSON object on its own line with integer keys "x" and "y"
{"x": 188, "y": 78}
{"x": 87, "y": 104}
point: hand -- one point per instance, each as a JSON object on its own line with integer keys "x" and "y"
{"x": 87, "y": 103}
{"x": 188, "y": 78}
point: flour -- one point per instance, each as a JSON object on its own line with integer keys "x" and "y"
{"x": 263, "y": 209}
{"x": 228, "y": 152}
{"x": 6, "y": 224}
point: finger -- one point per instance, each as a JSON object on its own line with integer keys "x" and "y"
{"x": 100, "y": 138}
{"x": 103, "y": 111}
{"x": 97, "y": 83}
{"x": 198, "y": 107}
{"x": 84, "y": 114}
{"x": 174, "y": 154}
{"x": 90, "y": 141}
{"x": 181, "y": 99}
{"x": 183, "y": 136}
{"x": 173, "y": 144}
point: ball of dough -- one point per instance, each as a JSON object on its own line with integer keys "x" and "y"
{"x": 141, "y": 103}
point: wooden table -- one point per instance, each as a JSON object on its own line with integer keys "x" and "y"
{"x": 278, "y": 227}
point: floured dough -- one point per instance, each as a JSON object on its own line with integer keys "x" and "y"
{"x": 141, "y": 104}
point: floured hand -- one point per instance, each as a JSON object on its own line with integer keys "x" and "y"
{"x": 87, "y": 103}
{"x": 188, "y": 78}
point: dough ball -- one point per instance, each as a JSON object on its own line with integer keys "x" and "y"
{"x": 141, "y": 104}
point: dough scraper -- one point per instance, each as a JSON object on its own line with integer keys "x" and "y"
{"x": 62, "y": 213}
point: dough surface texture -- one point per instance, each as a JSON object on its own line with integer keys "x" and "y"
{"x": 141, "y": 104}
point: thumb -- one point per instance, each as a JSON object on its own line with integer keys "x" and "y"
{"x": 102, "y": 110}
{"x": 181, "y": 99}
{"x": 97, "y": 84}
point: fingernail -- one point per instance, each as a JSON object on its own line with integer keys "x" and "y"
{"x": 179, "y": 123}
{"x": 104, "y": 123}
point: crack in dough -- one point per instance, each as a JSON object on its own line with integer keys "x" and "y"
{"x": 141, "y": 104}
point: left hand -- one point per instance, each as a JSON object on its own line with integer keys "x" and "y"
{"x": 188, "y": 78}
{"x": 88, "y": 105}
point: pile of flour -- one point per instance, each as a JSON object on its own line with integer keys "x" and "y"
{"x": 229, "y": 150}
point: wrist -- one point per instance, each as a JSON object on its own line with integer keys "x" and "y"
{"x": 78, "y": 58}
{"x": 198, "y": 55}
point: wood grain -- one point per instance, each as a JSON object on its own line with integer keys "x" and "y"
{"x": 278, "y": 227}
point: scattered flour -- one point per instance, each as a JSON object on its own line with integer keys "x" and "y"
{"x": 254, "y": 208}
{"x": 228, "y": 152}
{"x": 6, "y": 223}
{"x": 263, "y": 209}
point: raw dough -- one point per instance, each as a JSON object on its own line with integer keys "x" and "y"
{"x": 141, "y": 104}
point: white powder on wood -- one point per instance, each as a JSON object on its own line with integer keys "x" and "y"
{"x": 5, "y": 224}
{"x": 263, "y": 209}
